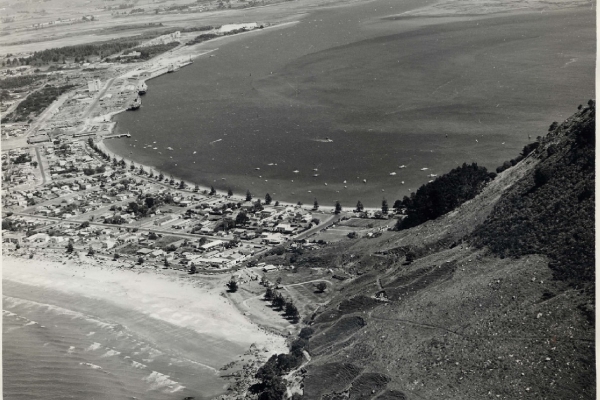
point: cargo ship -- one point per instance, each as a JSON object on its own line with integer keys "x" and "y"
{"x": 142, "y": 88}
{"x": 135, "y": 104}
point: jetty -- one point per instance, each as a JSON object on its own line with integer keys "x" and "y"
{"x": 117, "y": 136}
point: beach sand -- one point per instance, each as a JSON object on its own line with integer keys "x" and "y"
{"x": 187, "y": 326}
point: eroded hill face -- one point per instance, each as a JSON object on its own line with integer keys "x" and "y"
{"x": 497, "y": 304}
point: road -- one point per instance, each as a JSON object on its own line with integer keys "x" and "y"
{"x": 41, "y": 165}
{"x": 157, "y": 231}
{"x": 323, "y": 225}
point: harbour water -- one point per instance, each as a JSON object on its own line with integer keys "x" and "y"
{"x": 385, "y": 92}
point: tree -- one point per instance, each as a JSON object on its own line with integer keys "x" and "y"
{"x": 321, "y": 286}
{"x": 116, "y": 257}
{"x": 278, "y": 301}
{"x": 212, "y": 191}
{"x": 70, "y": 247}
{"x": 196, "y": 188}
{"x": 268, "y": 199}
{"x": 291, "y": 310}
{"x": 166, "y": 262}
{"x": 384, "y": 206}
{"x": 182, "y": 185}
{"x": 248, "y": 195}
{"x": 241, "y": 218}
{"x": 140, "y": 260}
{"x": 410, "y": 257}
{"x": 229, "y": 192}
{"x": 277, "y": 203}
{"x": 91, "y": 251}
{"x": 193, "y": 270}
{"x": 315, "y": 205}
{"x": 161, "y": 177}
{"x": 269, "y": 294}
{"x": 359, "y": 206}
{"x": 232, "y": 285}
{"x": 338, "y": 207}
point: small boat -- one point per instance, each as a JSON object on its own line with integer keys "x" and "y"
{"x": 364, "y": 181}
{"x": 296, "y": 171}
{"x": 424, "y": 169}
{"x": 258, "y": 169}
{"x": 194, "y": 152}
{"x": 344, "y": 181}
{"x": 392, "y": 173}
{"x": 270, "y": 164}
{"x": 402, "y": 182}
{"x": 310, "y": 191}
{"x": 402, "y": 166}
{"x": 325, "y": 183}
{"x": 432, "y": 175}
{"x": 316, "y": 169}
{"x": 315, "y": 175}
{"x": 170, "y": 148}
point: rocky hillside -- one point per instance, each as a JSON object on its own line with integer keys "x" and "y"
{"x": 494, "y": 301}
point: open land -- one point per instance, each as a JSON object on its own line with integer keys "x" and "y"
{"x": 85, "y": 223}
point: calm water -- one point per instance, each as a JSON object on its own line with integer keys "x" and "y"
{"x": 387, "y": 93}
{"x": 57, "y": 346}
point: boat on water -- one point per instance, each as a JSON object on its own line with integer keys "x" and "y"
{"x": 135, "y": 104}
{"x": 142, "y": 88}
{"x": 170, "y": 68}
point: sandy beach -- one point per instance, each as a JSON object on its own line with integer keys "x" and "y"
{"x": 185, "y": 321}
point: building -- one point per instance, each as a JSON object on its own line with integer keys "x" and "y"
{"x": 15, "y": 238}
{"x": 94, "y": 85}
{"x": 166, "y": 220}
{"x": 210, "y": 245}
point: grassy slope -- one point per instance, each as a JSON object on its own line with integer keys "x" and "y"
{"x": 461, "y": 322}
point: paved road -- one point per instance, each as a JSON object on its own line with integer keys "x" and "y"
{"x": 42, "y": 170}
{"x": 96, "y": 100}
{"x": 158, "y": 231}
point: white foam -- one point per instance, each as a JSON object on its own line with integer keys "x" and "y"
{"x": 136, "y": 364}
{"x": 30, "y": 323}
{"x": 111, "y": 353}
{"x": 94, "y": 346}
{"x": 58, "y": 310}
{"x": 90, "y": 334}
{"x": 161, "y": 381}
{"x": 92, "y": 366}
{"x": 71, "y": 348}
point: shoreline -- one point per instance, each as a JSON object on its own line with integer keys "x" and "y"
{"x": 80, "y": 284}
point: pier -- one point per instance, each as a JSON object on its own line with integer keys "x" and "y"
{"x": 117, "y": 136}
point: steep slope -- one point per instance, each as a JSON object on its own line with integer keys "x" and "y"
{"x": 497, "y": 303}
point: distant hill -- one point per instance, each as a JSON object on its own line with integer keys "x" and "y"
{"x": 495, "y": 299}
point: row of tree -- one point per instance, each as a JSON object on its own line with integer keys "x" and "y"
{"x": 281, "y": 303}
